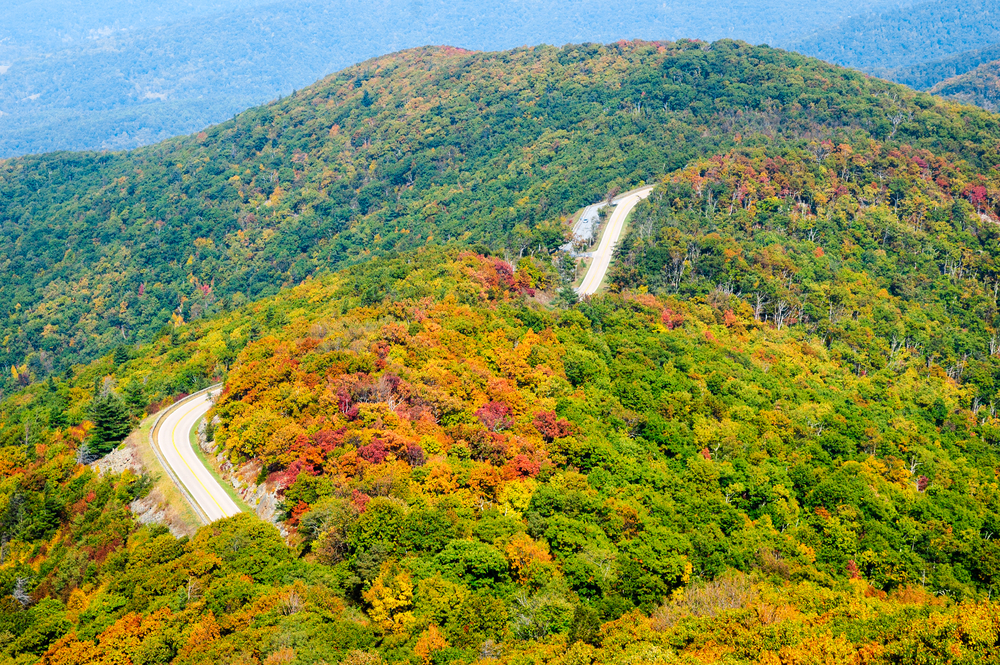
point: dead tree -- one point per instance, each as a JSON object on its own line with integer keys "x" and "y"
{"x": 780, "y": 313}
{"x": 760, "y": 300}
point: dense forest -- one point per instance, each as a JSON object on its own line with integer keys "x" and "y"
{"x": 773, "y": 438}
{"x": 826, "y": 236}
{"x": 468, "y": 472}
{"x": 431, "y": 146}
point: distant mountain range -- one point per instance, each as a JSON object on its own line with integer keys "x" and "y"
{"x": 76, "y": 77}
{"x": 950, "y": 49}
{"x": 926, "y": 75}
{"x": 882, "y": 41}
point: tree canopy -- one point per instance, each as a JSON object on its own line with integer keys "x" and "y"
{"x": 424, "y": 147}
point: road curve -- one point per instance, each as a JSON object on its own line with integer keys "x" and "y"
{"x": 173, "y": 440}
{"x": 602, "y": 257}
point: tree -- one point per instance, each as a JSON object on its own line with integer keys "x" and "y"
{"x": 586, "y": 625}
{"x": 112, "y": 423}
{"x": 391, "y": 599}
{"x": 134, "y": 398}
{"x": 431, "y": 640}
{"x": 568, "y": 297}
{"x": 120, "y": 355}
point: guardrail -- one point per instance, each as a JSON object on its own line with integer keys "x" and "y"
{"x": 163, "y": 462}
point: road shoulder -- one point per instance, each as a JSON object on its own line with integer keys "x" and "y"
{"x": 154, "y": 445}
{"x": 164, "y": 504}
{"x": 213, "y": 470}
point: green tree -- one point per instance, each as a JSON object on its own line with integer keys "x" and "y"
{"x": 112, "y": 423}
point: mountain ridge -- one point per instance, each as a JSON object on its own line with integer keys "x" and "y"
{"x": 924, "y": 76}
{"x": 378, "y": 159}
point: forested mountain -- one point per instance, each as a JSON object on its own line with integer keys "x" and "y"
{"x": 881, "y": 40}
{"x": 430, "y": 146}
{"x": 981, "y": 86}
{"x": 773, "y": 439}
{"x": 109, "y": 75}
{"x": 968, "y": 77}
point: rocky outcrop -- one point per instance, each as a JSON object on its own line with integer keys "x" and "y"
{"x": 154, "y": 508}
{"x": 262, "y": 498}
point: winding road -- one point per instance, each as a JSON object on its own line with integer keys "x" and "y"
{"x": 172, "y": 434}
{"x": 171, "y": 439}
{"x": 602, "y": 257}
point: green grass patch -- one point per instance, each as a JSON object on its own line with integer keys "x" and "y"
{"x": 210, "y": 465}
{"x": 174, "y": 503}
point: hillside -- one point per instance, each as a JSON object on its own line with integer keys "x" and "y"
{"x": 110, "y": 75}
{"x": 981, "y": 86}
{"x": 925, "y": 75}
{"x": 466, "y": 470}
{"x": 425, "y": 147}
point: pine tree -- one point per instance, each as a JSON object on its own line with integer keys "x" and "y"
{"x": 111, "y": 423}
{"x": 134, "y": 398}
{"x": 121, "y": 355}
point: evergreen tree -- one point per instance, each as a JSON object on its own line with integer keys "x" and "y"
{"x": 111, "y": 423}
{"x": 121, "y": 355}
{"x": 568, "y": 297}
{"x": 135, "y": 399}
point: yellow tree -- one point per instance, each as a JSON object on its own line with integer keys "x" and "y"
{"x": 431, "y": 640}
{"x": 391, "y": 599}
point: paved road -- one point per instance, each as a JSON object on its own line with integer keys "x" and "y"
{"x": 174, "y": 441}
{"x": 584, "y": 229}
{"x": 602, "y": 257}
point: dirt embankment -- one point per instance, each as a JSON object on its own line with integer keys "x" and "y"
{"x": 165, "y": 505}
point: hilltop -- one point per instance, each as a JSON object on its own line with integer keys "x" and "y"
{"x": 425, "y": 147}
